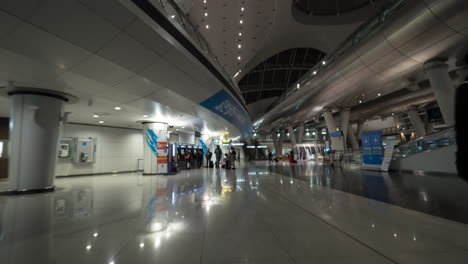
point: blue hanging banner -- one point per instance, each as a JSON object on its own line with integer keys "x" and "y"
{"x": 225, "y": 106}
{"x": 205, "y": 148}
{"x": 372, "y": 153}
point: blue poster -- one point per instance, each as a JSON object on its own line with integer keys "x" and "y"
{"x": 225, "y": 106}
{"x": 372, "y": 151}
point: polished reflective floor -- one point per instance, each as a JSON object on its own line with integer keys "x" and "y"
{"x": 440, "y": 195}
{"x": 248, "y": 215}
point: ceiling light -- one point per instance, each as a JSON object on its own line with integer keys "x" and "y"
{"x": 378, "y": 94}
{"x": 360, "y": 101}
{"x": 172, "y": 16}
{"x": 206, "y": 14}
{"x": 239, "y": 46}
{"x": 238, "y": 57}
{"x": 204, "y": 1}
{"x": 88, "y": 247}
{"x": 95, "y": 235}
{"x": 324, "y": 62}
{"x": 241, "y": 21}
{"x": 145, "y": 116}
{"x": 393, "y": 114}
{"x": 315, "y": 72}
{"x": 242, "y": 8}
{"x": 298, "y": 86}
{"x": 207, "y": 26}
{"x": 101, "y": 122}
{"x": 95, "y": 116}
{"x": 240, "y": 34}
{"x": 118, "y": 108}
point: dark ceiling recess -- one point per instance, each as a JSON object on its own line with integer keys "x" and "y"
{"x": 330, "y": 7}
{"x": 273, "y": 76}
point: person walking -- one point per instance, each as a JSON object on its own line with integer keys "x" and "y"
{"x": 218, "y": 155}
{"x": 233, "y": 158}
{"x": 208, "y": 159}
{"x": 270, "y": 156}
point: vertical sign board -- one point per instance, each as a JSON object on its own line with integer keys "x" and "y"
{"x": 372, "y": 148}
{"x": 162, "y": 157}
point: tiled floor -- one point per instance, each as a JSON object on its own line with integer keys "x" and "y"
{"x": 249, "y": 215}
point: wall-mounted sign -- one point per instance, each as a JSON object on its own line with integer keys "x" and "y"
{"x": 336, "y": 133}
{"x": 261, "y": 146}
{"x": 237, "y": 144}
{"x": 250, "y": 147}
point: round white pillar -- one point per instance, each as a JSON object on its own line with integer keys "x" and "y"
{"x": 437, "y": 72}
{"x": 36, "y": 117}
{"x": 154, "y": 148}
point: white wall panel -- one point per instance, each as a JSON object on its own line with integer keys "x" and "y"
{"x": 117, "y": 149}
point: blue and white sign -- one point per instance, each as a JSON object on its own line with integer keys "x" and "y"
{"x": 225, "y": 106}
{"x": 372, "y": 148}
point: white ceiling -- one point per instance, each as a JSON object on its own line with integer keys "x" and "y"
{"x": 99, "y": 51}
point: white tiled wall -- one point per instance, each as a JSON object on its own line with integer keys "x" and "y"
{"x": 117, "y": 149}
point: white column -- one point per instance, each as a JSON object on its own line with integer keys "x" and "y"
{"x": 280, "y": 142}
{"x": 417, "y": 122}
{"x": 300, "y": 134}
{"x": 36, "y": 117}
{"x": 437, "y": 72}
{"x": 352, "y": 138}
{"x": 344, "y": 122}
{"x": 154, "y": 148}
{"x": 292, "y": 137}
{"x": 336, "y": 142}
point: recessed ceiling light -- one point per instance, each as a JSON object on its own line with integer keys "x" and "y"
{"x": 207, "y": 26}
{"x": 183, "y": 127}
{"x": 240, "y": 34}
{"x": 239, "y": 46}
{"x": 206, "y": 14}
{"x": 172, "y": 16}
{"x": 101, "y": 122}
{"x": 242, "y": 8}
{"x": 298, "y": 86}
{"x": 315, "y": 72}
{"x": 378, "y": 94}
{"x": 238, "y": 57}
{"x": 240, "y": 21}
{"x": 324, "y": 62}
{"x": 95, "y": 116}
{"x": 204, "y": 1}
{"x": 118, "y": 108}
{"x": 145, "y": 116}
{"x": 360, "y": 101}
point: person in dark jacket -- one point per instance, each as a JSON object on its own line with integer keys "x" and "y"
{"x": 218, "y": 154}
{"x": 209, "y": 154}
{"x": 461, "y": 128}
{"x": 232, "y": 158}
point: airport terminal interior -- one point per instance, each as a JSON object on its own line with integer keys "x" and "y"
{"x": 233, "y": 131}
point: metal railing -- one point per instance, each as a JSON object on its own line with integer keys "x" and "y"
{"x": 175, "y": 14}
{"x": 366, "y": 29}
{"x": 437, "y": 140}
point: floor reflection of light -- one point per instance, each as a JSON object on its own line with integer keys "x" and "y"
{"x": 142, "y": 245}
{"x": 395, "y": 235}
{"x": 112, "y": 262}
{"x": 88, "y": 247}
{"x": 157, "y": 242}
{"x": 414, "y": 238}
{"x": 95, "y": 235}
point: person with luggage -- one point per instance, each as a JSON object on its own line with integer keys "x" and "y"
{"x": 199, "y": 157}
{"x": 226, "y": 162}
{"x": 218, "y": 155}
{"x": 187, "y": 159}
{"x": 209, "y": 163}
{"x": 233, "y": 158}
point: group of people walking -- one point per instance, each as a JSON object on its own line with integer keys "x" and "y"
{"x": 226, "y": 162}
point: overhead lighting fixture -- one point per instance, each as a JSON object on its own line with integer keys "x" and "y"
{"x": 206, "y": 14}
{"x": 239, "y": 46}
{"x": 240, "y": 34}
{"x": 145, "y": 116}
{"x": 298, "y": 86}
{"x": 101, "y": 122}
{"x": 238, "y": 57}
{"x": 240, "y": 21}
{"x": 378, "y": 94}
{"x": 88, "y": 247}
{"x": 204, "y": 1}
{"x": 237, "y": 73}
{"x": 95, "y": 116}
{"x": 118, "y": 108}
{"x": 172, "y": 16}
{"x": 207, "y": 26}
{"x": 242, "y": 9}
{"x": 324, "y": 62}
{"x": 315, "y": 72}
{"x": 360, "y": 101}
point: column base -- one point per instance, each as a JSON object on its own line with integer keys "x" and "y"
{"x": 28, "y": 191}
